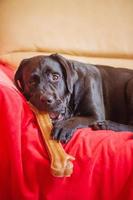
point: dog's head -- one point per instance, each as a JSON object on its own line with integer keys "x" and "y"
{"x": 46, "y": 81}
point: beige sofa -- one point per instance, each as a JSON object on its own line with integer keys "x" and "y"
{"x": 87, "y": 30}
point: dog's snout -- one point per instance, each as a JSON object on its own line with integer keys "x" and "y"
{"x": 47, "y": 99}
{"x": 59, "y": 101}
{"x": 42, "y": 99}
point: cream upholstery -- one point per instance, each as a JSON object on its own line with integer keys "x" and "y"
{"x": 88, "y": 30}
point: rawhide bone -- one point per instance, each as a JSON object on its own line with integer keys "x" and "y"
{"x": 61, "y": 162}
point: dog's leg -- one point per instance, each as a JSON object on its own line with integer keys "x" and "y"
{"x": 110, "y": 125}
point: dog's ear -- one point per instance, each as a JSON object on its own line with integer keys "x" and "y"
{"x": 18, "y": 78}
{"x": 68, "y": 70}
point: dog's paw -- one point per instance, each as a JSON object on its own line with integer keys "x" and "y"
{"x": 101, "y": 125}
{"x": 63, "y": 131}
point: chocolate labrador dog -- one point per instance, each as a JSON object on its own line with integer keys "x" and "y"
{"x": 76, "y": 94}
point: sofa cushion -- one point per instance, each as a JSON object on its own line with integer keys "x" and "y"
{"x": 85, "y": 28}
{"x": 15, "y": 58}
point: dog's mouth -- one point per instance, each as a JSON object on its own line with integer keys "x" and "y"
{"x": 56, "y": 116}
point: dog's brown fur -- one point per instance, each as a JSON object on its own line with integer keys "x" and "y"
{"x": 77, "y": 94}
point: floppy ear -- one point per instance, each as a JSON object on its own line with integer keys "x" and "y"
{"x": 18, "y": 78}
{"x": 68, "y": 69}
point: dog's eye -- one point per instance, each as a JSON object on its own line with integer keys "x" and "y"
{"x": 34, "y": 80}
{"x": 32, "y": 83}
{"x": 55, "y": 77}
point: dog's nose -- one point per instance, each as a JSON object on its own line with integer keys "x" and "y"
{"x": 49, "y": 100}
{"x": 46, "y": 99}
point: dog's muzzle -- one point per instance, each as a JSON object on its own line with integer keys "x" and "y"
{"x": 48, "y": 103}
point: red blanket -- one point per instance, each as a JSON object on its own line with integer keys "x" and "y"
{"x": 103, "y": 169}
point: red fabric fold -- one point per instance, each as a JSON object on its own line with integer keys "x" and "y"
{"x": 103, "y": 166}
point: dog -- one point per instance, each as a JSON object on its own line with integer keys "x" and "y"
{"x": 77, "y": 94}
